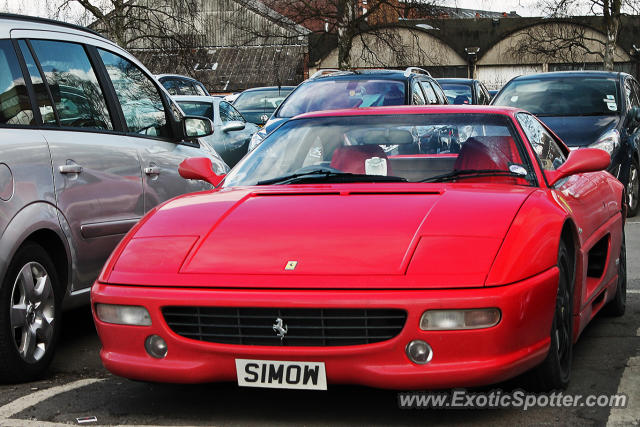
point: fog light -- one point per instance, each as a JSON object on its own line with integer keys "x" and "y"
{"x": 439, "y": 320}
{"x": 419, "y": 352}
{"x": 155, "y": 346}
{"x": 123, "y": 314}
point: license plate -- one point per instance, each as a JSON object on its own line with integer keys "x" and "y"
{"x": 275, "y": 374}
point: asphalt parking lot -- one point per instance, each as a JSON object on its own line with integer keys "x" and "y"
{"x": 606, "y": 361}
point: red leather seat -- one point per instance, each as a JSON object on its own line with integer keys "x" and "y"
{"x": 351, "y": 158}
{"x": 489, "y": 152}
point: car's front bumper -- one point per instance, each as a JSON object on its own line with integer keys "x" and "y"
{"x": 460, "y": 358}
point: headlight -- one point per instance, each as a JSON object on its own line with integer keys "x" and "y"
{"x": 123, "y": 314}
{"x": 609, "y": 141}
{"x": 256, "y": 139}
{"x": 442, "y": 320}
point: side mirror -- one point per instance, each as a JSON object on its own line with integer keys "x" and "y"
{"x": 197, "y": 127}
{"x": 199, "y": 168}
{"x": 580, "y": 161}
{"x": 231, "y": 126}
{"x": 634, "y": 117}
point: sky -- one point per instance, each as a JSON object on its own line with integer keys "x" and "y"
{"x": 522, "y": 7}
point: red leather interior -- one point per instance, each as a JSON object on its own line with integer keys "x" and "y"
{"x": 351, "y": 158}
{"x": 488, "y": 152}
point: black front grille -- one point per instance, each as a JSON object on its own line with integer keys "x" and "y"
{"x": 305, "y": 326}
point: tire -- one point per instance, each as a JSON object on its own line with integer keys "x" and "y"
{"x": 618, "y": 304}
{"x": 633, "y": 189}
{"x": 554, "y": 372}
{"x": 30, "y": 301}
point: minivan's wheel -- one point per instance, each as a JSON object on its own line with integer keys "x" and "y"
{"x": 30, "y": 300}
{"x": 633, "y": 190}
{"x": 617, "y": 305}
{"x": 554, "y": 372}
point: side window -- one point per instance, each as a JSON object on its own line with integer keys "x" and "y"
{"x": 635, "y": 93}
{"x": 170, "y": 86}
{"x": 480, "y": 95}
{"x": 429, "y": 93}
{"x": 77, "y": 95}
{"x": 417, "y": 98}
{"x": 198, "y": 90}
{"x": 228, "y": 113}
{"x": 185, "y": 87}
{"x": 139, "y": 98}
{"x": 547, "y": 150}
{"x": 15, "y": 106}
{"x": 42, "y": 97}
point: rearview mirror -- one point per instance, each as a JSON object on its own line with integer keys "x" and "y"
{"x": 581, "y": 160}
{"x": 231, "y": 126}
{"x": 197, "y": 127}
{"x": 199, "y": 168}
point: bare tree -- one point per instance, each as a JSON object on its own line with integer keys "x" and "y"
{"x": 372, "y": 25}
{"x": 163, "y": 26}
{"x": 566, "y": 41}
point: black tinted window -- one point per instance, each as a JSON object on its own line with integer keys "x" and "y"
{"x": 139, "y": 98}
{"x": 75, "y": 89}
{"x": 15, "y": 107}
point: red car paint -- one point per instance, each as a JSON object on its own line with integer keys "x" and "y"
{"x": 229, "y": 247}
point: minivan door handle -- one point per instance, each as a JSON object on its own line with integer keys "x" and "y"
{"x": 70, "y": 169}
{"x": 152, "y": 170}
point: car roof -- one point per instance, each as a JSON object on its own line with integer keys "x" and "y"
{"x": 456, "y": 80}
{"x": 257, "y": 89}
{"x": 10, "y": 21}
{"x": 413, "y": 109}
{"x": 161, "y": 76}
{"x": 196, "y": 98}
{"x": 373, "y": 72}
{"x": 565, "y": 74}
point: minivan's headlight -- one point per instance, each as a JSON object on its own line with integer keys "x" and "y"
{"x": 256, "y": 139}
{"x": 608, "y": 141}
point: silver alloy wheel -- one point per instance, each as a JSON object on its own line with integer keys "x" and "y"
{"x": 32, "y": 311}
{"x": 632, "y": 187}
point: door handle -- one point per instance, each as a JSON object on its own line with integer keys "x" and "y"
{"x": 70, "y": 169}
{"x": 152, "y": 170}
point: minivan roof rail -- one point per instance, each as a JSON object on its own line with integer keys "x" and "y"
{"x": 416, "y": 70}
{"x": 16, "y": 17}
{"x": 321, "y": 73}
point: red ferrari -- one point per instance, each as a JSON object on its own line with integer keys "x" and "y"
{"x": 403, "y": 247}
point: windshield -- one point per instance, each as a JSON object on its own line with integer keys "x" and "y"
{"x": 204, "y": 109}
{"x": 457, "y": 93}
{"x": 398, "y": 148}
{"x": 319, "y": 95}
{"x": 567, "y": 96}
{"x": 261, "y": 100}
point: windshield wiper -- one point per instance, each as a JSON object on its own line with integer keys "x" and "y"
{"x": 324, "y": 175}
{"x": 472, "y": 173}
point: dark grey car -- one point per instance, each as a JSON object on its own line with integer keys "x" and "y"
{"x": 89, "y": 143}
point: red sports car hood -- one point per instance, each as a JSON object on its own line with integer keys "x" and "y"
{"x": 440, "y": 234}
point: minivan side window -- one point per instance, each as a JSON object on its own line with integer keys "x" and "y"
{"x": 74, "y": 86}
{"x": 15, "y": 106}
{"x": 42, "y": 97}
{"x": 429, "y": 92}
{"x": 417, "y": 97}
{"x": 139, "y": 98}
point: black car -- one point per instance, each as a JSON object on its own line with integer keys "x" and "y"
{"x": 182, "y": 85}
{"x": 598, "y": 109}
{"x": 335, "y": 90}
{"x": 257, "y": 104}
{"x": 465, "y": 91}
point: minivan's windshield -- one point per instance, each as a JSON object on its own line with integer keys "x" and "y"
{"x": 565, "y": 96}
{"x": 387, "y": 148}
{"x": 341, "y": 93}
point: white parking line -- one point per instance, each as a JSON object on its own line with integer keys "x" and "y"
{"x": 24, "y": 402}
{"x": 633, "y": 291}
{"x": 629, "y": 385}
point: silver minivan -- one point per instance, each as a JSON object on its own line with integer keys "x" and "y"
{"x": 89, "y": 142}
